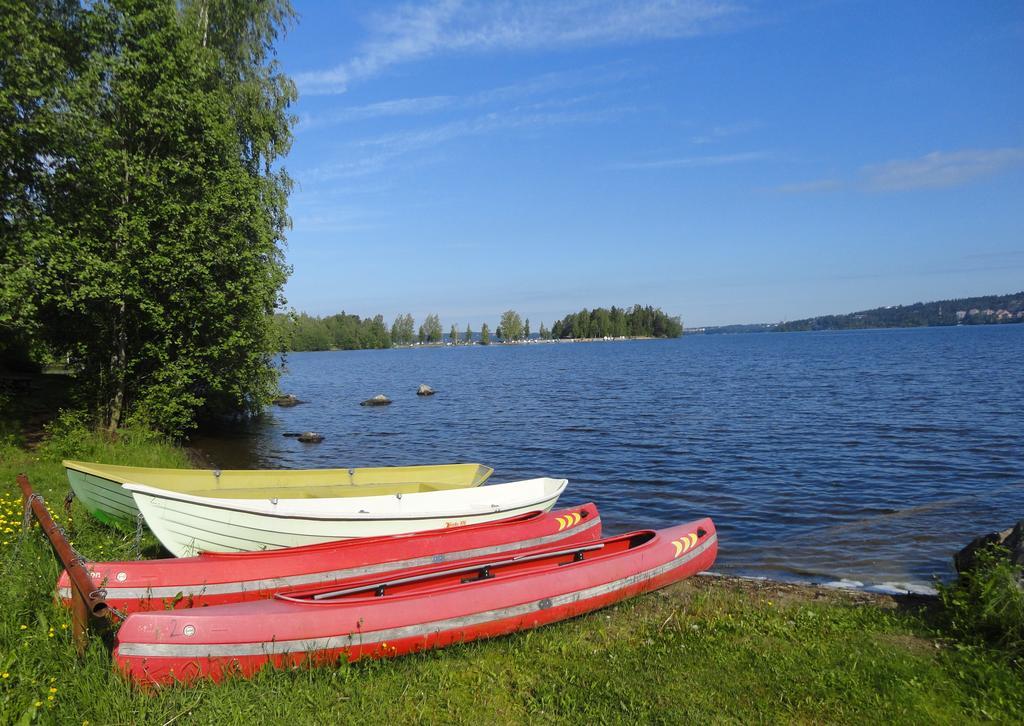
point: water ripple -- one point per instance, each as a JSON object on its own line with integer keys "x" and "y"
{"x": 865, "y": 455}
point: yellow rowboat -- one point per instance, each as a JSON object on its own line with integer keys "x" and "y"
{"x": 100, "y": 486}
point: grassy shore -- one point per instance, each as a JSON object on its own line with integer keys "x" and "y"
{"x": 709, "y": 649}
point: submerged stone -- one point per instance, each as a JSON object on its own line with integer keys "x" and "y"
{"x": 379, "y": 400}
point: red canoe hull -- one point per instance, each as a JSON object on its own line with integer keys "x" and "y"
{"x": 185, "y": 645}
{"x": 217, "y": 579}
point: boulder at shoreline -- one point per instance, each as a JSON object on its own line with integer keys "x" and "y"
{"x": 1012, "y": 539}
{"x": 310, "y": 437}
{"x": 379, "y": 400}
{"x": 425, "y": 390}
{"x": 287, "y": 401}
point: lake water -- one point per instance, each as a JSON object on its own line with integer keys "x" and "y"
{"x": 866, "y": 455}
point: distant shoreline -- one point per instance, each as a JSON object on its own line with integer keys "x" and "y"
{"x": 773, "y": 328}
{"x": 477, "y": 343}
{"x": 982, "y": 310}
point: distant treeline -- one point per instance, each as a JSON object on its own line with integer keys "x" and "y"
{"x": 636, "y": 322}
{"x": 964, "y": 311}
{"x": 344, "y": 331}
{"x": 341, "y": 331}
{"x": 741, "y": 328}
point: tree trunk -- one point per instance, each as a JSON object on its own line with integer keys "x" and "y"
{"x": 204, "y": 20}
{"x": 119, "y": 355}
{"x": 117, "y": 371}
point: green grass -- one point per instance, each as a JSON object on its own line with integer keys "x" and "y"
{"x": 703, "y": 650}
{"x": 986, "y": 603}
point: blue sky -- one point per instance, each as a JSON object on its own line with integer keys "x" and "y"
{"x": 726, "y": 161}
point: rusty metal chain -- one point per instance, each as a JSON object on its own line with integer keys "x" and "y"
{"x": 140, "y": 524}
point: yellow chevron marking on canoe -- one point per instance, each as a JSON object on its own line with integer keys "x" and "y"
{"x": 561, "y": 523}
{"x": 685, "y": 543}
{"x": 576, "y": 518}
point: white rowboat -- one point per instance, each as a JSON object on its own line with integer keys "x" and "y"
{"x": 186, "y": 524}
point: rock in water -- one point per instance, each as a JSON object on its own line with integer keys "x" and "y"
{"x": 310, "y": 437}
{"x": 379, "y": 400}
{"x": 425, "y": 390}
{"x": 287, "y": 401}
{"x": 1012, "y": 539}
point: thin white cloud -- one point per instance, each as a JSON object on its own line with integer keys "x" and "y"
{"x": 547, "y": 83}
{"x": 940, "y": 169}
{"x": 383, "y": 152}
{"x": 718, "y": 133}
{"x": 487, "y": 123}
{"x": 538, "y": 86}
{"x": 332, "y": 218}
{"x": 348, "y": 168}
{"x": 397, "y": 107}
{"x": 691, "y": 162}
{"x": 413, "y": 33}
{"x": 809, "y": 187}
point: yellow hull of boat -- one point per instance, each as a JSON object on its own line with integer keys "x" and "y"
{"x": 99, "y": 486}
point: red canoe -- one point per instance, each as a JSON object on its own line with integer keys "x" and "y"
{"x": 215, "y": 578}
{"x": 410, "y": 610}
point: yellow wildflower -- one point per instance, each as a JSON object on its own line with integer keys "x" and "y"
{"x": 24, "y": 627}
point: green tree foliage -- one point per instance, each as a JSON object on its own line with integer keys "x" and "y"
{"x": 403, "y": 330}
{"x": 430, "y": 331}
{"x": 618, "y": 324}
{"x": 155, "y": 243}
{"x": 638, "y": 322}
{"x": 511, "y": 326}
{"x": 467, "y": 337}
{"x": 453, "y": 335}
{"x": 526, "y": 329}
{"x": 343, "y": 331}
{"x": 485, "y": 335}
{"x": 42, "y": 49}
{"x": 544, "y": 333}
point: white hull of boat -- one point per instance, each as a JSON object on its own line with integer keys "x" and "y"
{"x": 187, "y": 524}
